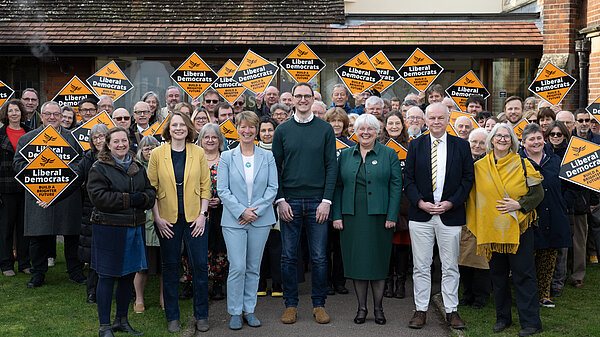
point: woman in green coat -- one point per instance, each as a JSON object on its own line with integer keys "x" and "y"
{"x": 365, "y": 210}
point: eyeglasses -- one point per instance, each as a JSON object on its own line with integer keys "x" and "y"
{"x": 142, "y": 112}
{"x": 87, "y": 110}
{"x": 502, "y": 137}
{"x": 98, "y": 137}
{"x": 201, "y": 119}
{"x": 555, "y": 134}
{"x": 121, "y": 118}
{"x": 414, "y": 118}
{"x": 211, "y": 101}
{"x": 584, "y": 120}
{"x": 55, "y": 114}
{"x": 148, "y": 148}
{"x": 300, "y": 97}
{"x": 238, "y": 103}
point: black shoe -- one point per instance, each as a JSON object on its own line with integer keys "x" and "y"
{"x": 122, "y": 324}
{"x": 262, "y": 287}
{"x": 91, "y": 298}
{"x": 529, "y": 331}
{"x": 478, "y": 305}
{"x": 465, "y": 302}
{"x": 341, "y": 290}
{"x": 187, "y": 292}
{"x": 501, "y": 326}
{"x": 105, "y": 331}
{"x": 79, "y": 279}
{"x": 361, "y": 315}
{"x": 388, "y": 291}
{"x": 379, "y": 316}
{"x": 400, "y": 291}
{"x": 556, "y": 292}
{"x": 217, "y": 293}
{"x": 330, "y": 290}
{"x": 35, "y": 282}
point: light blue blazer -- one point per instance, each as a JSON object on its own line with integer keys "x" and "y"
{"x": 231, "y": 186}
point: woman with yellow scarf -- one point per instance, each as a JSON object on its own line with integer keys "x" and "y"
{"x": 500, "y": 213}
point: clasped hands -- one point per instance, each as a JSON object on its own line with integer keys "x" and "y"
{"x": 248, "y": 216}
{"x": 435, "y": 209}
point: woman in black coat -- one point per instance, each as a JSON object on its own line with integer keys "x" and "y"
{"x": 120, "y": 192}
{"x": 553, "y": 230}
{"x": 12, "y": 198}
{"x": 84, "y": 251}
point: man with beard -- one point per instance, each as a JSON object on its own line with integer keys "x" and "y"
{"x": 172, "y": 97}
{"x": 513, "y": 108}
{"x": 265, "y": 100}
{"x": 415, "y": 120}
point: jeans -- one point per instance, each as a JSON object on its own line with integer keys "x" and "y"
{"x": 304, "y": 211}
{"x": 170, "y": 253}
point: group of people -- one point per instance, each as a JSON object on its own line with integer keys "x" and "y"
{"x": 259, "y": 206}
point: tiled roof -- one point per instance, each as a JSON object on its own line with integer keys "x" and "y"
{"x": 285, "y": 33}
{"x": 173, "y": 11}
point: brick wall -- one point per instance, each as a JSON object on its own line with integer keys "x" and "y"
{"x": 58, "y": 74}
{"x": 592, "y": 17}
{"x": 560, "y": 25}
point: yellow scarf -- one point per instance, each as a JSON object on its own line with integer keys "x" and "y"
{"x": 497, "y": 232}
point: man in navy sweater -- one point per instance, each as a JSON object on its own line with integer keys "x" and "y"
{"x": 304, "y": 150}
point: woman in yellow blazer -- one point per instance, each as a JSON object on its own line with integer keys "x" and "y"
{"x": 179, "y": 172}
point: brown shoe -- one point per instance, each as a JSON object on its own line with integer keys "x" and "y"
{"x": 455, "y": 321}
{"x": 578, "y": 283}
{"x": 418, "y": 320}
{"x": 320, "y": 315}
{"x": 289, "y": 316}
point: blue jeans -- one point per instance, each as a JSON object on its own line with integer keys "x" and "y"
{"x": 304, "y": 211}
{"x": 170, "y": 253}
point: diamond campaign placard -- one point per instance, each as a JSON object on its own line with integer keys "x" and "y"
{"x": 52, "y": 138}
{"x": 358, "y": 73}
{"x": 194, "y": 75}
{"x": 225, "y": 85}
{"x": 302, "y": 64}
{"x": 110, "y": 81}
{"x": 469, "y": 84}
{"x": 82, "y": 133}
{"x": 72, "y": 93}
{"x": 552, "y": 84}
{"x": 255, "y": 72}
{"x": 420, "y": 70}
{"x": 5, "y": 93}
{"x": 385, "y": 68}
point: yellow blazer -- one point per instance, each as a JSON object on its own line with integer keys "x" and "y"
{"x": 196, "y": 181}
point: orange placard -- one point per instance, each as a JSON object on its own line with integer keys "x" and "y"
{"x": 354, "y": 137}
{"x": 161, "y": 126}
{"x": 225, "y": 85}
{"x": 451, "y": 131}
{"x": 518, "y": 129}
{"x": 385, "y": 68}
{"x": 420, "y": 70}
{"x": 455, "y": 114}
{"x": 400, "y": 150}
{"x": 302, "y": 63}
{"x": 72, "y": 93}
{"x": 552, "y": 84}
{"x": 464, "y": 87}
{"x": 5, "y": 93}
{"x": 194, "y": 75}
{"x": 255, "y": 73}
{"x": 229, "y": 130}
{"x": 339, "y": 145}
{"x": 358, "y": 74}
{"x": 46, "y": 176}
{"x": 581, "y": 164}
{"x": 111, "y": 81}
{"x": 475, "y": 124}
{"x": 49, "y": 137}
{"x": 82, "y": 133}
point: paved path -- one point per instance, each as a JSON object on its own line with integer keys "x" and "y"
{"x": 341, "y": 308}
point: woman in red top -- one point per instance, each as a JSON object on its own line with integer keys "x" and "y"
{"x": 11, "y": 192}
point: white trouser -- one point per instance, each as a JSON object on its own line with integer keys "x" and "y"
{"x": 422, "y": 237}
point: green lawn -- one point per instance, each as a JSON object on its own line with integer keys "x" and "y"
{"x": 58, "y": 308}
{"x": 575, "y": 314}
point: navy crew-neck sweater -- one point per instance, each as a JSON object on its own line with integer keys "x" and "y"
{"x": 306, "y": 160}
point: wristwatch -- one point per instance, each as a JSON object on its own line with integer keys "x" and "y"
{"x": 205, "y": 213}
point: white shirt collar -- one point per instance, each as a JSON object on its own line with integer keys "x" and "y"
{"x": 307, "y": 120}
{"x": 443, "y": 138}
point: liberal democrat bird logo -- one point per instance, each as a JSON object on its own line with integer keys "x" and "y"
{"x": 577, "y": 150}
{"x": 226, "y": 130}
{"x": 468, "y": 81}
{"x": 378, "y": 62}
{"x": 194, "y": 64}
{"x": 110, "y": 71}
{"x": 301, "y": 53}
{"x": 45, "y": 161}
{"x": 74, "y": 88}
{"x": 418, "y": 59}
{"x": 359, "y": 63}
{"x": 250, "y": 62}
{"x": 550, "y": 72}
{"x": 228, "y": 71}
{"x": 48, "y": 138}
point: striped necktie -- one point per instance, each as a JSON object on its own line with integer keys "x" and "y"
{"x": 434, "y": 163}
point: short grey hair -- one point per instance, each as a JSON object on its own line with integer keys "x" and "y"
{"x": 476, "y": 132}
{"x": 514, "y": 146}
{"x": 373, "y": 100}
{"x": 433, "y": 105}
{"x": 321, "y": 104}
{"x": 369, "y": 120}
{"x": 96, "y": 129}
{"x": 460, "y": 118}
{"x": 280, "y": 106}
{"x": 43, "y": 108}
{"x": 142, "y": 102}
{"x": 409, "y": 102}
{"x": 410, "y": 95}
{"x": 172, "y": 87}
{"x": 105, "y": 97}
{"x": 531, "y": 129}
{"x": 217, "y": 130}
{"x": 339, "y": 85}
{"x": 146, "y": 141}
{"x": 415, "y": 108}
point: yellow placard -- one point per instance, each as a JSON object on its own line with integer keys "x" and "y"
{"x": 464, "y": 87}
{"x": 229, "y": 130}
{"x": 552, "y": 84}
{"x": 194, "y": 76}
{"x": 581, "y": 164}
{"x": 225, "y": 85}
{"x": 420, "y": 70}
{"x": 339, "y": 145}
{"x": 302, "y": 63}
{"x": 385, "y": 68}
{"x": 111, "y": 81}
{"x": 519, "y": 127}
{"x": 354, "y": 138}
{"x": 255, "y": 73}
{"x": 82, "y": 133}
{"x": 400, "y": 150}
{"x": 358, "y": 74}
{"x": 72, "y": 93}
{"x": 455, "y": 114}
{"x": 5, "y": 93}
{"x": 49, "y": 137}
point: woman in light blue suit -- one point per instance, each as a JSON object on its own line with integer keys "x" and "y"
{"x": 247, "y": 186}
